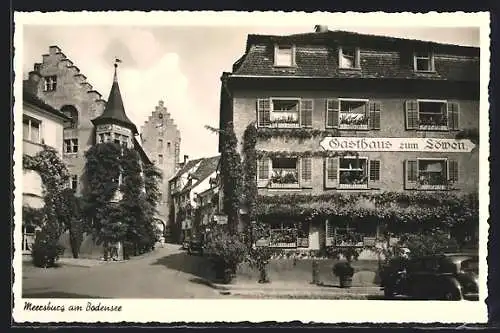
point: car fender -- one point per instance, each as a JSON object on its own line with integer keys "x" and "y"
{"x": 452, "y": 282}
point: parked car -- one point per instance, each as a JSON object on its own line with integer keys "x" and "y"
{"x": 451, "y": 276}
{"x": 195, "y": 245}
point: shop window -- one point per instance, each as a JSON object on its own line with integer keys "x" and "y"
{"x": 32, "y": 129}
{"x": 71, "y": 146}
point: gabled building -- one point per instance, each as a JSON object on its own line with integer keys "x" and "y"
{"x": 42, "y": 126}
{"x": 161, "y": 140}
{"x": 342, "y": 112}
{"x": 193, "y": 178}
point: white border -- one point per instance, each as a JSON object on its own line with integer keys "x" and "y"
{"x": 324, "y": 311}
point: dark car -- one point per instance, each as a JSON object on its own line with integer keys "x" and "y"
{"x": 451, "y": 276}
{"x": 195, "y": 245}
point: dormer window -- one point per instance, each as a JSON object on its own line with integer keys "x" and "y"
{"x": 349, "y": 57}
{"x": 284, "y": 56}
{"x": 423, "y": 62}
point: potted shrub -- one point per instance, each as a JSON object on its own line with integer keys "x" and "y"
{"x": 226, "y": 252}
{"x": 344, "y": 271}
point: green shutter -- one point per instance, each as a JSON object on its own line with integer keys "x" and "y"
{"x": 411, "y": 109}
{"x": 374, "y": 116}
{"x": 263, "y": 111}
{"x": 306, "y": 110}
{"x": 331, "y": 171}
{"x": 306, "y": 172}
{"x": 411, "y": 174}
{"x": 332, "y": 113}
{"x": 453, "y": 113}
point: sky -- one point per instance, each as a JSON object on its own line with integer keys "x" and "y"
{"x": 180, "y": 65}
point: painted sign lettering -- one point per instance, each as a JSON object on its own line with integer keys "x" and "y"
{"x": 397, "y": 144}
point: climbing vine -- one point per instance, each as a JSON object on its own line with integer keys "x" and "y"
{"x": 264, "y": 133}
{"x": 231, "y": 169}
{"x": 250, "y": 169}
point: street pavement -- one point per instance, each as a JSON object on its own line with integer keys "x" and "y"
{"x": 165, "y": 273}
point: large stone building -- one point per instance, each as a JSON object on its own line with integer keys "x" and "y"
{"x": 317, "y": 97}
{"x": 161, "y": 141}
{"x": 59, "y": 83}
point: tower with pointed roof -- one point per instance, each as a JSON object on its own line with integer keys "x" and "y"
{"x": 113, "y": 125}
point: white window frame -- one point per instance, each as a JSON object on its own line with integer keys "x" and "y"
{"x": 354, "y": 127}
{"x": 353, "y": 186}
{"x": 433, "y": 187}
{"x": 355, "y": 58}
{"x": 430, "y": 127}
{"x": 72, "y": 146}
{"x": 286, "y": 125}
{"x": 430, "y": 60}
{"x": 285, "y": 186}
{"x": 276, "y": 51}
{"x": 30, "y": 121}
{"x": 50, "y": 84}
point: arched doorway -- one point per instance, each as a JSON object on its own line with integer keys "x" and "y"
{"x": 160, "y": 228}
{"x": 71, "y": 112}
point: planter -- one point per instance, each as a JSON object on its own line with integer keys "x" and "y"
{"x": 345, "y": 281}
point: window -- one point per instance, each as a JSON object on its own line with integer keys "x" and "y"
{"x": 432, "y": 115}
{"x": 283, "y": 235}
{"x": 124, "y": 140}
{"x": 168, "y": 145}
{"x": 284, "y": 56}
{"x": 374, "y": 170}
{"x": 117, "y": 138}
{"x": 160, "y": 115}
{"x": 349, "y": 57}
{"x": 423, "y": 62}
{"x": 342, "y": 236}
{"x": 71, "y": 146}
{"x": 101, "y": 138}
{"x": 431, "y": 173}
{"x": 160, "y": 159}
{"x": 160, "y": 144}
{"x": 50, "y": 83}
{"x": 353, "y": 172}
{"x": 32, "y": 129}
{"x": 284, "y": 173}
{"x": 70, "y": 112}
{"x": 73, "y": 182}
{"x": 353, "y": 114}
{"x": 284, "y": 112}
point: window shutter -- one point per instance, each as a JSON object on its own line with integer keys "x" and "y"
{"x": 374, "y": 116}
{"x": 306, "y": 172}
{"x": 331, "y": 170}
{"x": 411, "y": 109}
{"x": 411, "y": 174}
{"x": 432, "y": 66}
{"x": 263, "y": 171}
{"x": 453, "y": 171}
{"x": 357, "y": 62}
{"x": 374, "y": 170}
{"x": 263, "y": 111}
{"x": 306, "y": 110}
{"x": 453, "y": 115}
{"x": 332, "y": 112}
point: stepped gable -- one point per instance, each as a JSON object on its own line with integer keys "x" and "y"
{"x": 115, "y": 111}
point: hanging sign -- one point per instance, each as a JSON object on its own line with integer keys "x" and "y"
{"x": 430, "y": 145}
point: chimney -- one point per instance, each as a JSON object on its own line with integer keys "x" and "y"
{"x": 186, "y": 158}
{"x": 320, "y": 28}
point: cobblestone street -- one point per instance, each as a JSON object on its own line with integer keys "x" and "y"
{"x": 145, "y": 277}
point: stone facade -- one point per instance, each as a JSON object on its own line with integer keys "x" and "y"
{"x": 161, "y": 141}
{"x": 354, "y": 86}
{"x": 71, "y": 93}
